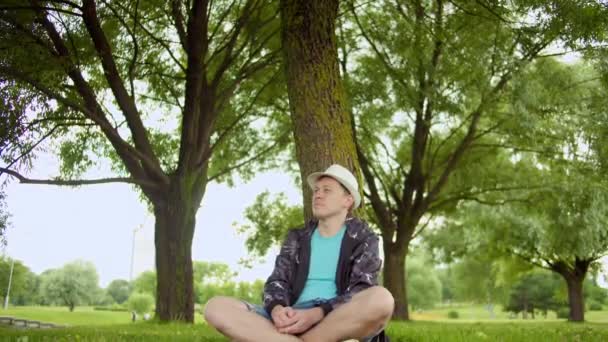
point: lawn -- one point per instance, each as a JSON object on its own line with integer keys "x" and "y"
{"x": 89, "y": 325}
{"x": 82, "y": 315}
{"x": 479, "y": 313}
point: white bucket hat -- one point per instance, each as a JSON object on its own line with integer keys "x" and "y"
{"x": 342, "y": 175}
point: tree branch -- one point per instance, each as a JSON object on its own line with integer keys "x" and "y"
{"x": 243, "y": 113}
{"x": 40, "y": 8}
{"x": 125, "y": 102}
{"x": 129, "y": 155}
{"x": 247, "y": 161}
{"x": 24, "y": 180}
{"x": 31, "y": 148}
{"x": 178, "y": 22}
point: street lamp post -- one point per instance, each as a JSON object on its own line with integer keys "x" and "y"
{"x": 8, "y": 290}
{"x": 133, "y": 251}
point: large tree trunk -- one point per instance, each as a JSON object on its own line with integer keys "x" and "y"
{"x": 322, "y": 125}
{"x": 575, "y": 298}
{"x": 394, "y": 274}
{"x": 574, "y": 274}
{"x": 175, "y": 222}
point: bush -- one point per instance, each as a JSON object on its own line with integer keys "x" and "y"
{"x": 595, "y": 306}
{"x": 113, "y": 307}
{"x": 453, "y": 314}
{"x": 140, "y": 302}
{"x": 563, "y": 313}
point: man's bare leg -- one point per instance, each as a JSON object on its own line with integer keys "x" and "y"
{"x": 232, "y": 318}
{"x": 365, "y": 314}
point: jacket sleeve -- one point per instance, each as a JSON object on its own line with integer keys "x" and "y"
{"x": 366, "y": 265}
{"x": 277, "y": 289}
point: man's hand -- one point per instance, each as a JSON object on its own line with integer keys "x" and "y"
{"x": 282, "y": 316}
{"x": 302, "y": 320}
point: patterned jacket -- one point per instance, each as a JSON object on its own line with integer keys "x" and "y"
{"x": 358, "y": 265}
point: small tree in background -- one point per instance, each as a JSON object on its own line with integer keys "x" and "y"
{"x": 535, "y": 291}
{"x": 119, "y": 290}
{"x": 423, "y": 286}
{"x": 145, "y": 283}
{"x": 140, "y": 302}
{"x": 76, "y": 283}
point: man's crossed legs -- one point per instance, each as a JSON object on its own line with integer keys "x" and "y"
{"x": 364, "y": 315}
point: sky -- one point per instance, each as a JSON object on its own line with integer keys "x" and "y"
{"x": 54, "y": 225}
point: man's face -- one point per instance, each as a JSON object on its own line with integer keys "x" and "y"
{"x": 329, "y": 198}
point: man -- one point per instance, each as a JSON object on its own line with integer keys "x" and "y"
{"x": 324, "y": 284}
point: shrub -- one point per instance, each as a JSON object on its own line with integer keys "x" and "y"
{"x": 140, "y": 302}
{"x": 563, "y": 313}
{"x": 113, "y": 307}
{"x": 453, "y": 314}
{"x": 595, "y": 306}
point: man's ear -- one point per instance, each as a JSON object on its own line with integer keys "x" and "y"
{"x": 351, "y": 200}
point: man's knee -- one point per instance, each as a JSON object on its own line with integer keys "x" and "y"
{"x": 380, "y": 303}
{"x": 215, "y": 311}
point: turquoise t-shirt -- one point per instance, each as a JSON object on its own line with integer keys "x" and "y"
{"x": 324, "y": 254}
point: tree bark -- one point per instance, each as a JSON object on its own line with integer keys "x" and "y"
{"x": 575, "y": 298}
{"x": 174, "y": 230}
{"x": 394, "y": 274}
{"x": 322, "y": 125}
{"x": 574, "y": 274}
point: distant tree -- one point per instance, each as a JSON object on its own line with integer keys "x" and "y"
{"x": 145, "y": 283}
{"x": 31, "y": 295}
{"x": 423, "y": 286}
{"x": 535, "y": 291}
{"x": 101, "y": 297}
{"x": 561, "y": 228}
{"x": 594, "y": 293}
{"x": 140, "y": 302}
{"x": 447, "y": 284}
{"x": 22, "y": 281}
{"x": 74, "y": 284}
{"x": 247, "y": 291}
{"x": 212, "y": 272}
{"x": 119, "y": 290}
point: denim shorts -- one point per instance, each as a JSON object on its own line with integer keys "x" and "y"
{"x": 309, "y": 304}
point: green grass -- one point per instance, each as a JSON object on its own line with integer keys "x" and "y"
{"x": 507, "y": 332}
{"x": 89, "y": 325}
{"x": 478, "y": 313}
{"x": 399, "y": 332}
{"x": 142, "y": 331}
{"x": 80, "y": 316}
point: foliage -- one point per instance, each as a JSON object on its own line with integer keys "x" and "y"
{"x": 4, "y": 218}
{"x": 119, "y": 290}
{"x": 453, "y": 314}
{"x": 24, "y": 283}
{"x": 113, "y": 307}
{"x": 145, "y": 283}
{"x": 73, "y": 284}
{"x": 563, "y": 312}
{"x": 534, "y": 291}
{"x": 595, "y": 306}
{"x": 170, "y": 95}
{"x": 269, "y": 221}
{"x": 140, "y": 302}
{"x": 423, "y": 285}
{"x": 247, "y": 291}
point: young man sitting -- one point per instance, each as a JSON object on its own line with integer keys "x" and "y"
{"x": 324, "y": 284}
